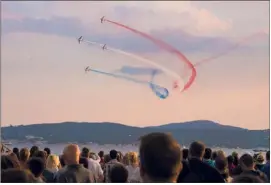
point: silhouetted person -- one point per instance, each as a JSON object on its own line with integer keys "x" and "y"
{"x": 221, "y": 164}
{"x": 248, "y": 167}
{"x": 33, "y": 150}
{"x": 24, "y": 157}
{"x": 197, "y": 171}
{"x": 207, "y": 157}
{"x": 17, "y": 176}
{"x": 48, "y": 175}
{"x": 36, "y": 166}
{"x": 108, "y": 166}
{"x": 118, "y": 174}
{"x": 160, "y": 158}
{"x": 73, "y": 172}
{"x": 231, "y": 166}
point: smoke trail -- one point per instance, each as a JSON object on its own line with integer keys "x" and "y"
{"x": 165, "y": 46}
{"x": 169, "y": 72}
{"x": 229, "y": 49}
{"x": 159, "y": 91}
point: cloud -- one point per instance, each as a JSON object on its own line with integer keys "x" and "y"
{"x": 147, "y": 16}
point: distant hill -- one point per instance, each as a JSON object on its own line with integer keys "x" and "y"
{"x": 199, "y": 124}
{"x": 211, "y": 133}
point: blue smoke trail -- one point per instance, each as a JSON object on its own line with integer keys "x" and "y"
{"x": 159, "y": 91}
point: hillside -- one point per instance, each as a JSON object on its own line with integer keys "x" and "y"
{"x": 212, "y": 134}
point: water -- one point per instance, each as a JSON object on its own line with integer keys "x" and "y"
{"x": 58, "y": 148}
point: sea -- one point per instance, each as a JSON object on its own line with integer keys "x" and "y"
{"x": 58, "y": 148}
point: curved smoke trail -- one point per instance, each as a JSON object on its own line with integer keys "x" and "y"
{"x": 165, "y": 46}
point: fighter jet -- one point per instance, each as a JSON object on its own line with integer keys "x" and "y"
{"x": 80, "y": 39}
{"x": 102, "y": 19}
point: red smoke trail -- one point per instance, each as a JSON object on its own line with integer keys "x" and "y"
{"x": 165, "y": 46}
{"x": 229, "y": 49}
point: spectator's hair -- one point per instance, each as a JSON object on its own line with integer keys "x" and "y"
{"x": 85, "y": 152}
{"x": 101, "y": 154}
{"x": 48, "y": 151}
{"x": 230, "y": 159}
{"x": 16, "y": 151}
{"x": 160, "y": 157}
{"x": 52, "y": 162}
{"x": 246, "y": 160}
{"x": 84, "y": 162}
{"x": 36, "y": 166}
{"x": 132, "y": 158}
{"x": 42, "y": 155}
{"x": 221, "y": 164}
{"x": 267, "y": 155}
{"x": 214, "y": 155}
{"x": 118, "y": 174}
{"x": 197, "y": 149}
{"x": 207, "y": 153}
{"x": 185, "y": 152}
{"x": 244, "y": 178}
{"x": 113, "y": 154}
{"x": 119, "y": 156}
{"x": 33, "y": 150}
{"x": 17, "y": 176}
{"x": 24, "y": 154}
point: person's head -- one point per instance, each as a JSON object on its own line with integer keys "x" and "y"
{"x": 85, "y": 152}
{"x": 160, "y": 158}
{"x": 245, "y": 178}
{"x": 16, "y": 151}
{"x": 33, "y": 150}
{"x": 196, "y": 150}
{"x": 71, "y": 154}
{"x": 119, "y": 156}
{"x": 101, "y": 154}
{"x": 24, "y": 155}
{"x": 207, "y": 153}
{"x": 246, "y": 162}
{"x": 52, "y": 162}
{"x": 221, "y": 164}
{"x": 185, "y": 153}
{"x": 133, "y": 158}
{"x": 42, "y": 155}
{"x": 113, "y": 154}
{"x": 118, "y": 174}
{"x": 214, "y": 155}
{"x": 48, "y": 151}
{"x": 36, "y": 166}
{"x": 17, "y": 176}
{"x": 230, "y": 159}
{"x": 259, "y": 159}
{"x": 107, "y": 158}
{"x": 84, "y": 162}
{"x": 221, "y": 153}
{"x": 267, "y": 156}
{"x": 125, "y": 160}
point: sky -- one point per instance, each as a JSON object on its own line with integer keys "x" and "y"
{"x": 42, "y": 64}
